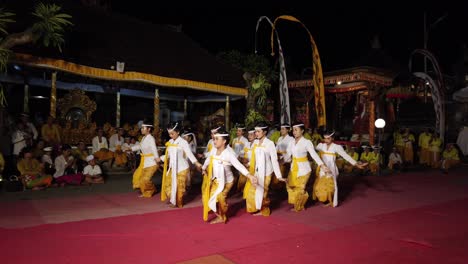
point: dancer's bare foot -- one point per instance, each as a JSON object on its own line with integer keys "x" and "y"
{"x": 259, "y": 213}
{"x": 217, "y": 220}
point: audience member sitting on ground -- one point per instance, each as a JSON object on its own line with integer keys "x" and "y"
{"x": 38, "y": 150}
{"x": 115, "y": 145}
{"x": 51, "y": 132}
{"x": 100, "y": 147}
{"x": 47, "y": 162}
{"x": 394, "y": 160}
{"x": 92, "y": 172}
{"x": 80, "y": 154}
{"x": 450, "y": 157}
{"x": 32, "y": 172}
{"x": 65, "y": 168}
{"x": 348, "y": 167}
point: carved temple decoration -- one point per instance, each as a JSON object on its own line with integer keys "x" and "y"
{"x": 76, "y": 107}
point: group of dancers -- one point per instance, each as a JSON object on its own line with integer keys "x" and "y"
{"x": 257, "y": 161}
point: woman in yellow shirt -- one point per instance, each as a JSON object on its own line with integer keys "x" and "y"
{"x": 31, "y": 171}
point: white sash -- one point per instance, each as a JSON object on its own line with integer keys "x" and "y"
{"x": 219, "y": 175}
{"x": 260, "y": 169}
{"x": 173, "y": 168}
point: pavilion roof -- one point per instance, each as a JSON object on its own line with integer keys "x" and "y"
{"x": 153, "y": 54}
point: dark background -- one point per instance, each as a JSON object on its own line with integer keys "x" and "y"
{"x": 342, "y": 31}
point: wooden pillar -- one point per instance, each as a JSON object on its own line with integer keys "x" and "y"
{"x": 185, "y": 109}
{"x": 156, "y": 110}
{"x": 117, "y": 114}
{"x": 227, "y": 112}
{"x": 53, "y": 95}
{"x": 307, "y": 118}
{"x": 26, "y": 98}
{"x": 371, "y": 121}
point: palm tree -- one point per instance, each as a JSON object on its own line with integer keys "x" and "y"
{"x": 49, "y": 28}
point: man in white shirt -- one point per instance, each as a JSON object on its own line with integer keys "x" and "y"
{"x": 394, "y": 160}
{"x": 92, "y": 172}
{"x": 281, "y": 149}
{"x": 30, "y": 128}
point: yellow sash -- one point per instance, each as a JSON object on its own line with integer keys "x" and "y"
{"x": 206, "y": 189}
{"x": 209, "y": 147}
{"x": 139, "y": 171}
{"x": 327, "y": 153}
{"x": 251, "y": 171}
{"x": 163, "y": 184}
{"x": 295, "y": 169}
{"x": 246, "y": 152}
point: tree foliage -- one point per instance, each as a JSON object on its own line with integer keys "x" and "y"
{"x": 48, "y": 29}
{"x": 258, "y": 75}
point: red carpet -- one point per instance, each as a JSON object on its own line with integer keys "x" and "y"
{"x": 411, "y": 218}
{"x": 437, "y": 234}
{"x": 432, "y": 234}
{"x": 162, "y": 237}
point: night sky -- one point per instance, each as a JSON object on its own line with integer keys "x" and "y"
{"x": 343, "y": 32}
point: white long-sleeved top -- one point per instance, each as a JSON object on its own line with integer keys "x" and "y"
{"x": 266, "y": 158}
{"x": 193, "y": 147}
{"x": 209, "y": 146}
{"x": 19, "y": 141}
{"x": 283, "y": 143}
{"x": 222, "y": 165}
{"x": 300, "y": 149}
{"x": 99, "y": 145}
{"x": 147, "y": 146}
{"x": 238, "y": 144}
{"x": 328, "y": 155}
{"x": 60, "y": 165}
{"x": 114, "y": 141}
{"x": 266, "y": 162}
{"x": 33, "y": 130}
{"x": 395, "y": 158}
{"x": 221, "y": 171}
{"x": 179, "y": 153}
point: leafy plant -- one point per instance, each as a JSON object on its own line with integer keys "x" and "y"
{"x": 49, "y": 29}
{"x": 253, "y": 117}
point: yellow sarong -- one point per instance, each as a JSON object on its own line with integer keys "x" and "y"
{"x": 297, "y": 195}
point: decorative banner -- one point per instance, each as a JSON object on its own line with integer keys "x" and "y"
{"x": 319, "y": 89}
{"x": 283, "y": 82}
{"x": 53, "y": 95}
{"x": 437, "y": 88}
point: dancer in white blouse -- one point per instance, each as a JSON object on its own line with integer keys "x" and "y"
{"x": 300, "y": 169}
{"x": 148, "y": 163}
{"x": 281, "y": 149}
{"x": 216, "y": 182}
{"x": 263, "y": 163}
{"x": 327, "y": 179}
{"x": 210, "y": 144}
{"x": 245, "y": 156}
{"x": 176, "y": 166}
{"x": 240, "y": 141}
